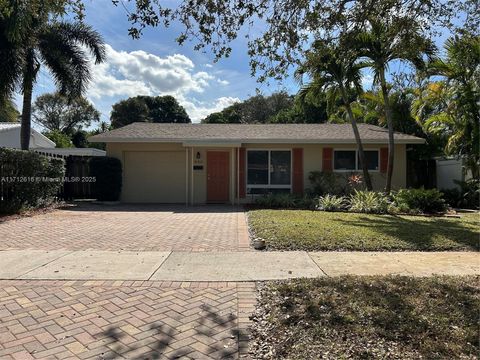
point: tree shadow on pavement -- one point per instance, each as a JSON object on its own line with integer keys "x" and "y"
{"x": 210, "y": 332}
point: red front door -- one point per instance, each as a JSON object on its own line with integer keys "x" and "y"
{"x": 218, "y": 179}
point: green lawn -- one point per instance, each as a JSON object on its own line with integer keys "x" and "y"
{"x": 368, "y": 318}
{"x": 318, "y": 230}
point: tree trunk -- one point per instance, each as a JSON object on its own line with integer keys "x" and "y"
{"x": 28, "y": 77}
{"x": 361, "y": 154}
{"x": 391, "y": 140}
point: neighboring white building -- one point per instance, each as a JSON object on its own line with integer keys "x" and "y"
{"x": 450, "y": 170}
{"x": 10, "y": 137}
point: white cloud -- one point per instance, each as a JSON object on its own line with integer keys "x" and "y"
{"x": 126, "y": 74}
{"x": 198, "y": 110}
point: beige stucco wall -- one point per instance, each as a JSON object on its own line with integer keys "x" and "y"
{"x": 198, "y": 192}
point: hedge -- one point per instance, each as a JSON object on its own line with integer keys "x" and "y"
{"x": 108, "y": 177}
{"x": 28, "y": 179}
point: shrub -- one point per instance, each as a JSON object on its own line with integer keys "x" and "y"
{"x": 326, "y": 183}
{"x": 453, "y": 197}
{"x": 369, "y": 202}
{"x": 108, "y": 177}
{"x": 28, "y": 179}
{"x": 331, "y": 203}
{"x": 420, "y": 200}
{"x": 284, "y": 200}
{"x": 468, "y": 196}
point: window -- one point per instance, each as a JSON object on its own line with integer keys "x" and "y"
{"x": 257, "y": 167}
{"x": 348, "y": 160}
{"x": 344, "y": 160}
{"x": 268, "y": 171}
{"x": 371, "y": 158}
{"x": 280, "y": 167}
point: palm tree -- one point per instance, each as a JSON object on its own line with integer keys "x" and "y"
{"x": 60, "y": 46}
{"x": 335, "y": 72}
{"x": 380, "y": 44}
{"x": 450, "y": 107}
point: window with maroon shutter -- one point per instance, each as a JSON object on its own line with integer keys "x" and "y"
{"x": 383, "y": 159}
{"x": 297, "y": 176}
{"x": 327, "y": 159}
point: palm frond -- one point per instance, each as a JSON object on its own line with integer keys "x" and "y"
{"x": 82, "y": 34}
{"x": 61, "y": 46}
{"x": 12, "y": 62}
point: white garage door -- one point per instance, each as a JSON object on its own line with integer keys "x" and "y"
{"x": 154, "y": 177}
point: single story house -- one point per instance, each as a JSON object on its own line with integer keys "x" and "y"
{"x": 229, "y": 163}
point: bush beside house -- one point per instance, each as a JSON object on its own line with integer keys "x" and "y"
{"x": 328, "y": 194}
{"x": 28, "y": 180}
{"x": 107, "y": 172}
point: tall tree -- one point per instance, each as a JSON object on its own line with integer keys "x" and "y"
{"x": 335, "y": 70}
{"x": 8, "y": 111}
{"x": 382, "y": 42}
{"x": 60, "y": 46}
{"x": 156, "y": 109}
{"x": 450, "y": 107}
{"x": 54, "y": 111}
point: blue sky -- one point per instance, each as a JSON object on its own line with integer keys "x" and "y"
{"x": 157, "y": 65}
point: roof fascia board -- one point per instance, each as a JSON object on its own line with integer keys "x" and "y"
{"x": 232, "y": 142}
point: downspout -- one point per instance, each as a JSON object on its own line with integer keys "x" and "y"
{"x": 186, "y": 176}
{"x": 238, "y": 176}
{"x": 191, "y": 177}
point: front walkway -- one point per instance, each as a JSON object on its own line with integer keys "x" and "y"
{"x": 130, "y": 227}
{"x": 227, "y": 266}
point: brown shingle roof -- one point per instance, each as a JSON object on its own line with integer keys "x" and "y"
{"x": 250, "y": 133}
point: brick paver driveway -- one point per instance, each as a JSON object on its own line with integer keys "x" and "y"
{"x": 109, "y": 320}
{"x": 129, "y": 227}
{"x": 126, "y": 319}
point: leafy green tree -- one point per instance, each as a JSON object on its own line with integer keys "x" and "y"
{"x": 8, "y": 111}
{"x": 335, "y": 71}
{"x": 54, "y": 111}
{"x": 156, "y": 109}
{"x": 128, "y": 111}
{"x": 256, "y": 109}
{"x": 60, "y": 139}
{"x": 382, "y": 42}
{"x": 31, "y": 37}
{"x": 103, "y": 127}
{"x": 305, "y": 110}
{"x": 450, "y": 107}
{"x": 230, "y": 115}
{"x": 79, "y": 139}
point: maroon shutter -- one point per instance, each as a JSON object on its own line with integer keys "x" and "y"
{"x": 327, "y": 159}
{"x": 297, "y": 173}
{"x": 383, "y": 159}
{"x": 241, "y": 173}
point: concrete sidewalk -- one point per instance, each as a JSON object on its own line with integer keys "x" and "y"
{"x": 227, "y": 266}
